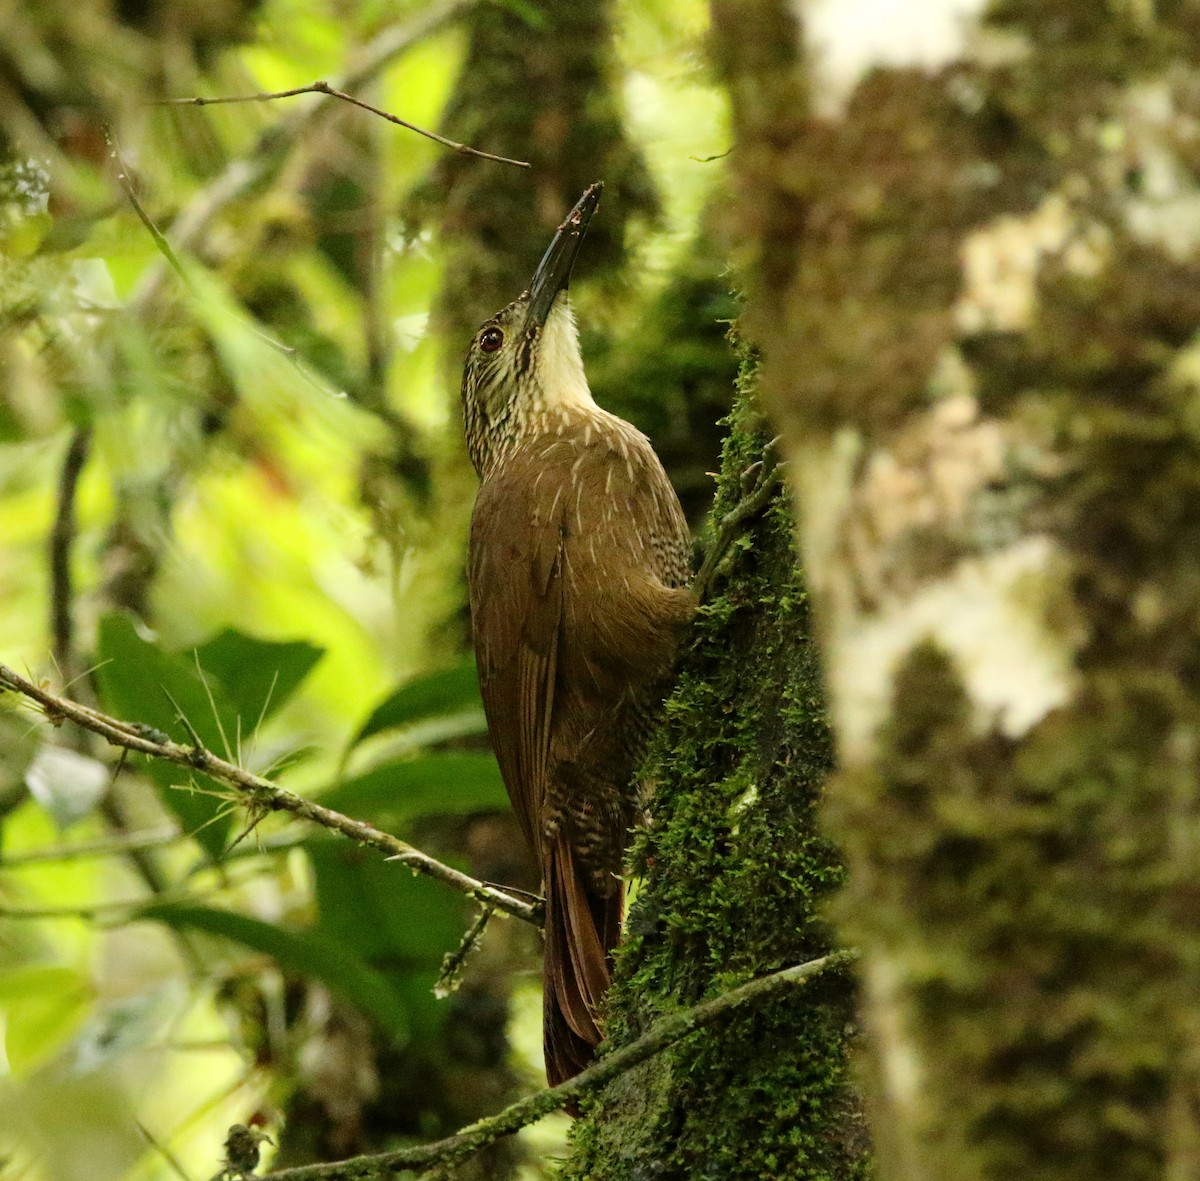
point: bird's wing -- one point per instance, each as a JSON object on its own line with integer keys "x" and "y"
{"x": 514, "y": 576}
{"x": 571, "y": 602}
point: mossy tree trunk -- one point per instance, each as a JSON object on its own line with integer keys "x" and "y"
{"x": 977, "y": 293}
{"x": 735, "y": 876}
{"x": 538, "y": 82}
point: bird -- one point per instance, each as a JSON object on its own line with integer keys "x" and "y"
{"x": 578, "y": 570}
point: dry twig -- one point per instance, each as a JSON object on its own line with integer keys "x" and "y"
{"x": 255, "y": 167}
{"x": 334, "y": 92}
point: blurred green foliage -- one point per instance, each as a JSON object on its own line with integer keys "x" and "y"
{"x": 264, "y": 547}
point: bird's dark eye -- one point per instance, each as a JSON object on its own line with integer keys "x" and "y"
{"x": 491, "y": 340}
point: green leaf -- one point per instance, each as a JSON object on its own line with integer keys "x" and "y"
{"x": 394, "y": 920}
{"x": 325, "y": 957}
{"x": 243, "y": 680}
{"x": 45, "y": 1005}
{"x": 436, "y": 784}
{"x": 382, "y": 910}
{"x": 258, "y": 675}
{"x": 451, "y": 691}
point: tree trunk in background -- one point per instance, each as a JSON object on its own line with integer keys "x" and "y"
{"x": 976, "y": 293}
{"x": 674, "y": 375}
{"x": 734, "y": 881}
{"x": 535, "y": 84}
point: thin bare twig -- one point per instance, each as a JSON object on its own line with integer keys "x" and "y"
{"x": 84, "y": 913}
{"x": 127, "y": 187}
{"x": 62, "y": 538}
{"x": 247, "y": 171}
{"x": 123, "y": 909}
{"x": 164, "y": 1152}
{"x": 260, "y": 793}
{"x": 118, "y": 846}
{"x": 333, "y": 92}
{"x": 663, "y": 1033}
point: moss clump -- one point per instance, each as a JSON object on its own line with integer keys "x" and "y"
{"x": 1025, "y": 899}
{"x": 736, "y": 879}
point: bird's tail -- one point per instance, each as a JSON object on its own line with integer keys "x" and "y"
{"x": 582, "y": 927}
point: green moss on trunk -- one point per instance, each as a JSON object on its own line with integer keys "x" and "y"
{"x": 735, "y": 883}
{"x": 536, "y": 84}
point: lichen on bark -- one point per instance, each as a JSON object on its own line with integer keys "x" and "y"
{"x": 982, "y": 350}
{"x": 736, "y": 878}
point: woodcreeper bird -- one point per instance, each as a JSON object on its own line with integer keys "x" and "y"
{"x": 578, "y": 565}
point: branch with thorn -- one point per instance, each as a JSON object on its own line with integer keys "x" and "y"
{"x": 261, "y": 794}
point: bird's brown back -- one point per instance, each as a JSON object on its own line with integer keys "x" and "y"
{"x": 579, "y": 558}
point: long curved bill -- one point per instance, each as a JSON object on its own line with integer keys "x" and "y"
{"x": 554, "y": 271}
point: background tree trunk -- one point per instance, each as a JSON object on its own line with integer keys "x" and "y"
{"x": 537, "y": 80}
{"x": 976, "y": 292}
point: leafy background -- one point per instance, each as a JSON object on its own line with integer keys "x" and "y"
{"x": 268, "y": 538}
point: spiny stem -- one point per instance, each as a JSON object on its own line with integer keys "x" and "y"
{"x": 261, "y": 793}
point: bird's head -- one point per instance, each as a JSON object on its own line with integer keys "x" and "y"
{"x": 524, "y": 361}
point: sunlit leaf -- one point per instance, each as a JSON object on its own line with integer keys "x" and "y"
{"x": 329, "y": 960}
{"x": 43, "y": 1006}
{"x": 437, "y": 784}
{"x": 450, "y": 691}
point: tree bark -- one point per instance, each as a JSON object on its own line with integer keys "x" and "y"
{"x": 976, "y": 293}
{"x": 734, "y": 881}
